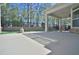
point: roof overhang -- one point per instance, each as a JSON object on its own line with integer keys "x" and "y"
{"x": 61, "y": 10}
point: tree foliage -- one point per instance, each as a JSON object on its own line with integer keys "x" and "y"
{"x": 18, "y": 14}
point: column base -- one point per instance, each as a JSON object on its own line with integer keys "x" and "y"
{"x": 0, "y": 29}
{"x": 46, "y": 30}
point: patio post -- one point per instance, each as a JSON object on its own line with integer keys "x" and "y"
{"x": 0, "y": 18}
{"x": 59, "y": 24}
{"x": 55, "y": 21}
{"x": 71, "y": 17}
{"x": 46, "y": 25}
{"x": 63, "y": 28}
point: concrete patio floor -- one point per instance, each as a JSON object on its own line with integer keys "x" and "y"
{"x": 66, "y": 43}
{"x": 18, "y": 44}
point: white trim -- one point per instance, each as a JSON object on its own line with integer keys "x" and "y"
{"x": 75, "y": 18}
{"x": 75, "y": 10}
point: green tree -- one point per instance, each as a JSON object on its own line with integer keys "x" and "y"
{"x": 5, "y": 14}
{"x": 14, "y": 17}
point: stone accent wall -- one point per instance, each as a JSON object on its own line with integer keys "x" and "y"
{"x": 74, "y": 30}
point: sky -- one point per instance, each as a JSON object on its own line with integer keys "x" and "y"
{"x": 35, "y": 6}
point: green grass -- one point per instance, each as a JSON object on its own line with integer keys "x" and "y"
{"x": 5, "y": 32}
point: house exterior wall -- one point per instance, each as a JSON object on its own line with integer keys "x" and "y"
{"x": 75, "y": 21}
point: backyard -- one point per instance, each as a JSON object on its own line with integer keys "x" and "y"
{"x": 39, "y": 29}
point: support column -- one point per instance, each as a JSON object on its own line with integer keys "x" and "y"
{"x": 59, "y": 24}
{"x": 62, "y": 28}
{"x": 71, "y": 17}
{"x": 55, "y": 21}
{"x": 0, "y": 18}
{"x": 46, "y": 25}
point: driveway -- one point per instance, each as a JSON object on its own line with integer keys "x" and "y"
{"x": 66, "y": 43}
{"x": 18, "y": 44}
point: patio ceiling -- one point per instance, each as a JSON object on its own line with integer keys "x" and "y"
{"x": 61, "y": 10}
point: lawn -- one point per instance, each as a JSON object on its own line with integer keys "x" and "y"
{"x": 5, "y": 32}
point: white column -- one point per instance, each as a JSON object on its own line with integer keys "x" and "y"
{"x": 71, "y": 17}
{"x": 0, "y": 19}
{"x": 55, "y": 21}
{"x": 59, "y": 24}
{"x": 62, "y": 24}
{"x": 61, "y": 21}
{"x": 46, "y": 25}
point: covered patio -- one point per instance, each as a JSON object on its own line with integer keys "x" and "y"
{"x": 61, "y": 11}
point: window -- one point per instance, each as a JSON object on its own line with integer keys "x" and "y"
{"x": 75, "y": 22}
